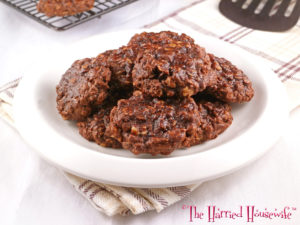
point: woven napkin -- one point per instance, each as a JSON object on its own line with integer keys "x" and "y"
{"x": 280, "y": 51}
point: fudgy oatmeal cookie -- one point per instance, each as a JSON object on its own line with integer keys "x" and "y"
{"x": 169, "y": 64}
{"x": 176, "y": 69}
{"x": 64, "y": 7}
{"x": 83, "y": 86}
{"x": 146, "y": 125}
{"x": 231, "y": 85}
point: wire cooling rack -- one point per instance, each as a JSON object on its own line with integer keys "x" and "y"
{"x": 101, "y": 7}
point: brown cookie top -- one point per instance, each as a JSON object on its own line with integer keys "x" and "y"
{"x": 120, "y": 61}
{"x": 64, "y": 7}
{"x": 83, "y": 86}
{"x": 178, "y": 69}
{"x": 145, "y": 125}
{"x": 231, "y": 85}
{"x": 138, "y": 41}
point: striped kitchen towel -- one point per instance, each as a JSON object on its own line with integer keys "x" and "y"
{"x": 281, "y": 52}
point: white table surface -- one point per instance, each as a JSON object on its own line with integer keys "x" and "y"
{"x": 33, "y": 192}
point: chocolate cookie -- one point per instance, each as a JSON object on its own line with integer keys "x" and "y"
{"x": 64, "y": 7}
{"x": 146, "y": 125}
{"x": 120, "y": 62}
{"x": 81, "y": 88}
{"x": 176, "y": 69}
{"x": 231, "y": 85}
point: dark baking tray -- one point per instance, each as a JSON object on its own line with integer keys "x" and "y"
{"x": 101, "y": 7}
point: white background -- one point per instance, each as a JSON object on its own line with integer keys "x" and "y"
{"x": 34, "y": 193}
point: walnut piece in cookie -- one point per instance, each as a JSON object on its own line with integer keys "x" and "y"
{"x": 83, "y": 86}
{"x": 231, "y": 85}
{"x": 64, "y": 7}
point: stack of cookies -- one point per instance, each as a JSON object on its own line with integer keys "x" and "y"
{"x": 158, "y": 93}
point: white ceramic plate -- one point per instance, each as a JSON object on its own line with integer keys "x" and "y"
{"x": 256, "y": 126}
